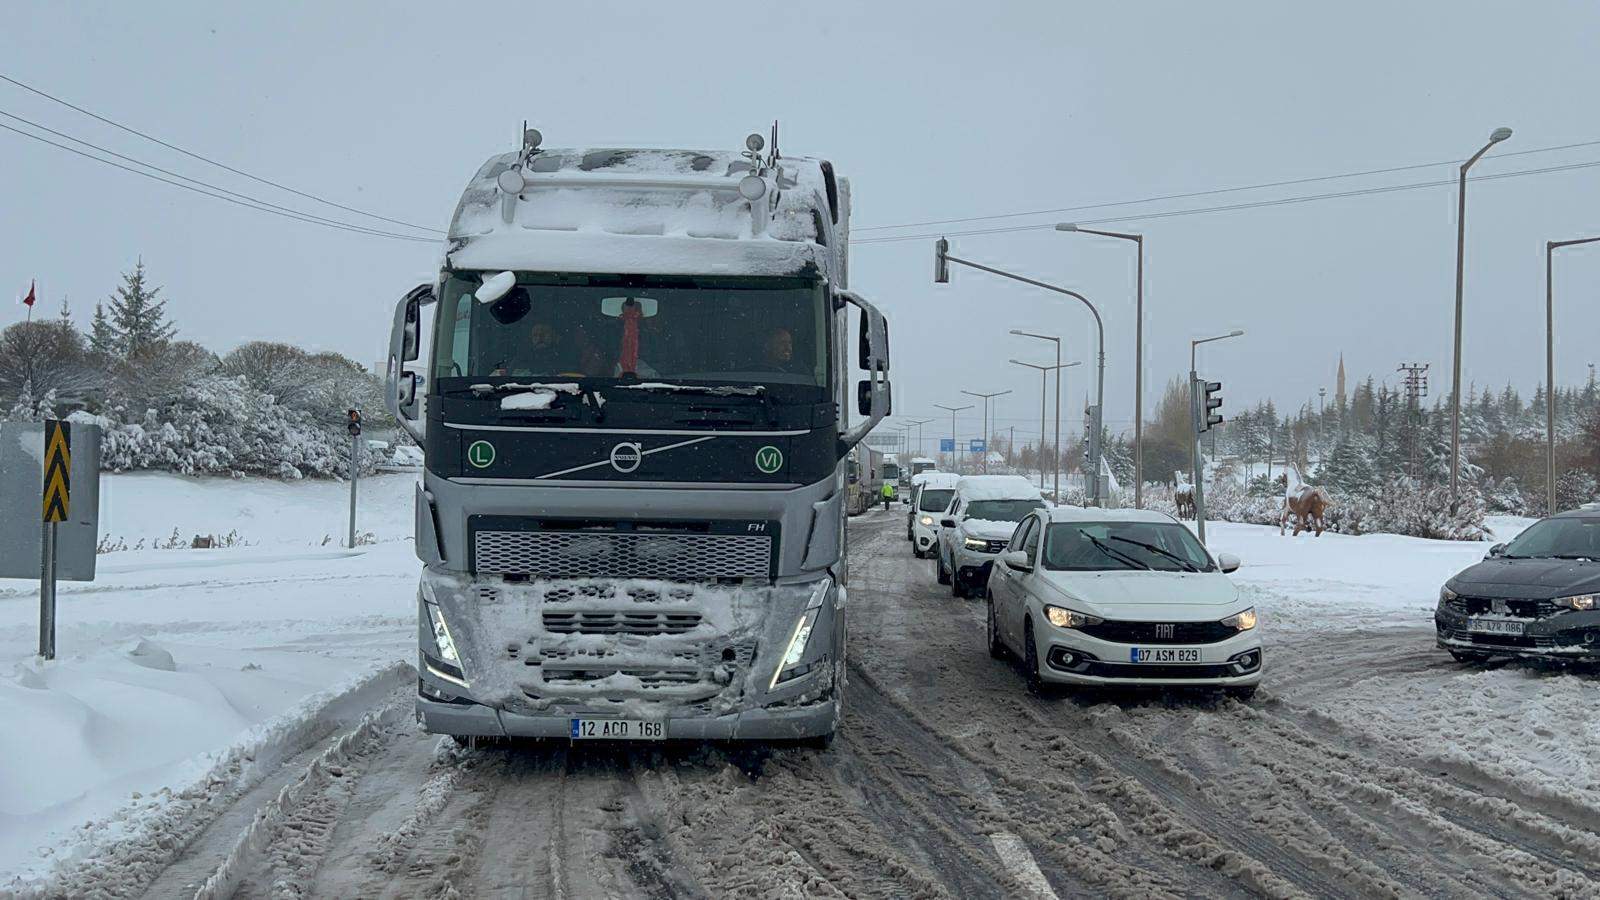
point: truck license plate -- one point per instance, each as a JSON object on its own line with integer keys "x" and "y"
{"x": 618, "y": 730}
{"x": 1164, "y": 654}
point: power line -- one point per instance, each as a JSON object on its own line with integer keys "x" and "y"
{"x": 209, "y": 161}
{"x": 1257, "y": 204}
{"x": 245, "y": 203}
{"x": 182, "y": 177}
{"x": 1213, "y": 191}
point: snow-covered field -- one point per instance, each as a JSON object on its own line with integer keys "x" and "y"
{"x": 194, "y": 670}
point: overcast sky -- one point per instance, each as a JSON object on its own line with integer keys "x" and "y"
{"x": 934, "y": 111}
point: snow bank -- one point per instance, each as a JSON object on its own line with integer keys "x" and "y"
{"x": 181, "y": 672}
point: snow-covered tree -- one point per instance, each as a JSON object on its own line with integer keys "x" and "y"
{"x": 138, "y": 316}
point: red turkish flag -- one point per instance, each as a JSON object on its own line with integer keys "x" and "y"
{"x": 28, "y": 300}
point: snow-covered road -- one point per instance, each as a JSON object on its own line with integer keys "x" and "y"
{"x": 1369, "y": 765}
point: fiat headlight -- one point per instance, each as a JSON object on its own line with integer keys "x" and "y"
{"x": 927, "y": 521}
{"x": 1579, "y": 602}
{"x": 1243, "y": 621}
{"x": 1069, "y": 618}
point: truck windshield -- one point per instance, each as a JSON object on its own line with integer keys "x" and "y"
{"x": 705, "y": 330}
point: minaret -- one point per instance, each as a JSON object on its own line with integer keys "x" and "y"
{"x": 1338, "y": 392}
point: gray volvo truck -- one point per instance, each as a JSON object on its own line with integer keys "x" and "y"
{"x": 644, "y": 376}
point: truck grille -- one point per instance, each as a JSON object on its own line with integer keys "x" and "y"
{"x": 585, "y": 554}
{"x": 641, "y": 623}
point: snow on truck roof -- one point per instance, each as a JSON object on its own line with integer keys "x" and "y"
{"x": 997, "y": 487}
{"x": 670, "y": 212}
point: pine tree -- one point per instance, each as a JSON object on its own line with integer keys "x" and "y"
{"x": 66, "y": 312}
{"x": 138, "y": 318}
{"x": 102, "y": 339}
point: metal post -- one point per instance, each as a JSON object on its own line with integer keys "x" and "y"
{"x": 47, "y": 592}
{"x": 1499, "y": 135}
{"x": 1044, "y": 391}
{"x": 1194, "y": 451}
{"x": 1550, "y": 368}
{"x": 1549, "y": 381}
{"x": 355, "y": 475}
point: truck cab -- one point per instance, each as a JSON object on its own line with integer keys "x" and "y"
{"x": 639, "y": 400}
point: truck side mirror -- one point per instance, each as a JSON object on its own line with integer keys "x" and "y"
{"x": 405, "y": 345}
{"x": 864, "y": 397}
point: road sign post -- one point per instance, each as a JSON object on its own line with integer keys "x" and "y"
{"x": 56, "y": 502}
{"x": 354, "y": 426}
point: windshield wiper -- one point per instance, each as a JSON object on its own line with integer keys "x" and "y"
{"x": 1116, "y": 554}
{"x": 1188, "y": 566}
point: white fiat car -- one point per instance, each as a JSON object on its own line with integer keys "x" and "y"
{"x": 1120, "y": 597}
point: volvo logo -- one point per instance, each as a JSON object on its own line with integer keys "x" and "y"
{"x": 625, "y": 457}
{"x": 1164, "y": 631}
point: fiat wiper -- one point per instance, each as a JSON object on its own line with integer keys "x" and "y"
{"x": 1187, "y": 565}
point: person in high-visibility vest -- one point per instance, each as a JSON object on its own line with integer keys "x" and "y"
{"x": 887, "y": 493}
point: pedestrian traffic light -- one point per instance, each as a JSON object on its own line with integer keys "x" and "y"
{"x": 1213, "y": 401}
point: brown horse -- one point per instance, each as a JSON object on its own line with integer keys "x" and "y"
{"x": 1184, "y": 498}
{"x": 1307, "y": 506}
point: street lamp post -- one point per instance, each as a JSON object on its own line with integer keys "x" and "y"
{"x": 1550, "y": 368}
{"x": 1498, "y": 135}
{"x": 1195, "y": 414}
{"x": 1138, "y": 352}
{"x": 1044, "y": 392}
{"x": 918, "y": 423}
{"x": 941, "y": 275}
{"x": 1322, "y": 420}
{"x": 955, "y": 448}
{"x": 986, "y": 428}
{"x": 1055, "y": 450}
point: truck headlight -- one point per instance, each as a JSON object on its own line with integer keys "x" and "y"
{"x": 975, "y": 544}
{"x": 789, "y": 667}
{"x": 1581, "y": 601}
{"x": 1446, "y": 595}
{"x": 441, "y": 634}
{"x": 927, "y": 521}
{"x": 1243, "y": 621}
{"x": 1069, "y": 618}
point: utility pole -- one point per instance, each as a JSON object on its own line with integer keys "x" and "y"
{"x": 1322, "y": 419}
{"x": 1416, "y": 387}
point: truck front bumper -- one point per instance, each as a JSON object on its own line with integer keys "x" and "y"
{"x": 470, "y": 719}
{"x": 709, "y": 662}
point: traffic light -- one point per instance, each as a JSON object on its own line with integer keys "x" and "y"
{"x": 354, "y": 424}
{"x": 1209, "y": 393}
{"x": 941, "y": 266}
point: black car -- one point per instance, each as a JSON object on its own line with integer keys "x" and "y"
{"x": 1536, "y": 596}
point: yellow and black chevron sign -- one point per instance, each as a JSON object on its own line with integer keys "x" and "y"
{"x": 57, "y": 470}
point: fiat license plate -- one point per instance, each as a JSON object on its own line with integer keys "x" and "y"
{"x": 1164, "y": 654}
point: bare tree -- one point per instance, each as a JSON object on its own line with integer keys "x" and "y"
{"x": 49, "y": 356}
